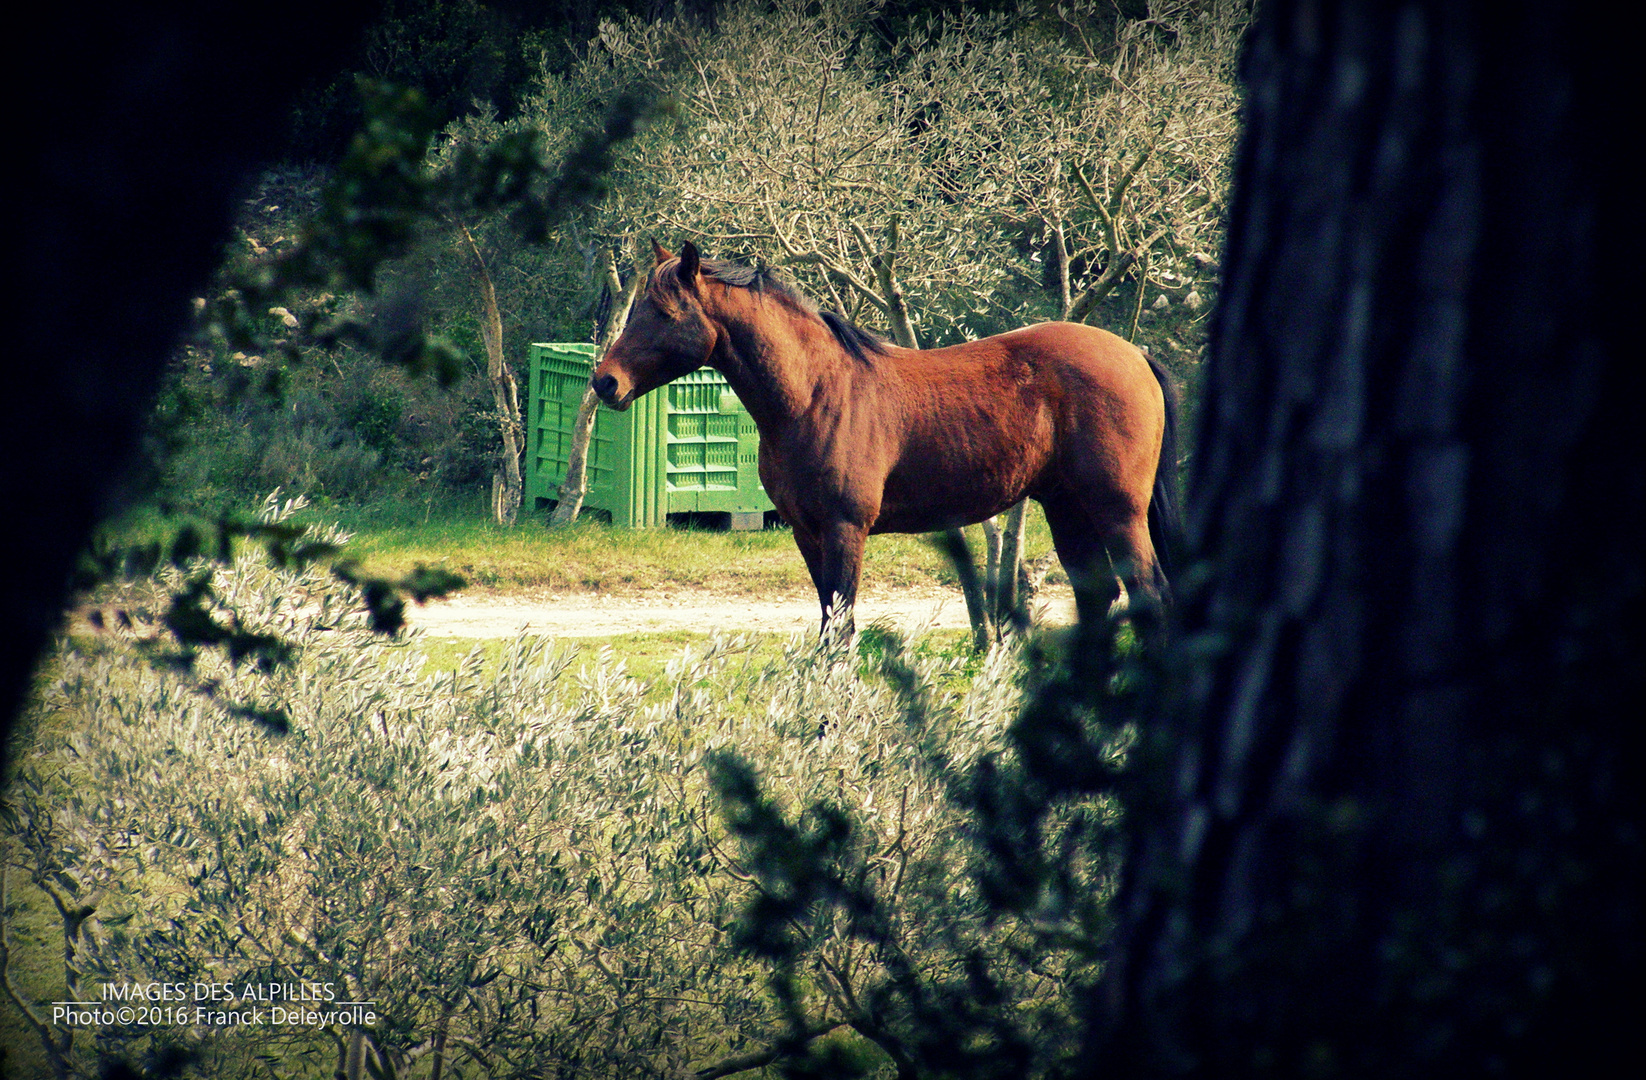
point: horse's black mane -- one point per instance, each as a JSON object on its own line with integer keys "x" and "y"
{"x": 852, "y": 337}
{"x": 860, "y": 343}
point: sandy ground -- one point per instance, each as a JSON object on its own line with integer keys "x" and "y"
{"x": 482, "y": 614}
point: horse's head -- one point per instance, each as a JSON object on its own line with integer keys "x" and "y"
{"x": 667, "y": 336}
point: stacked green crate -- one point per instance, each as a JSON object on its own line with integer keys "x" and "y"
{"x": 689, "y": 446}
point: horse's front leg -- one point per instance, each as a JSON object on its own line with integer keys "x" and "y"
{"x": 811, "y": 550}
{"x": 842, "y": 564}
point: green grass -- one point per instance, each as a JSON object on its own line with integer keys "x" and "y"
{"x": 644, "y": 656}
{"x": 593, "y": 557}
{"x": 588, "y": 556}
{"x": 392, "y": 538}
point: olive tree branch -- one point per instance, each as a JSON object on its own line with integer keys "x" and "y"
{"x": 761, "y": 1058}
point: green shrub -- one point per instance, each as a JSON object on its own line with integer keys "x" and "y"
{"x": 525, "y": 864}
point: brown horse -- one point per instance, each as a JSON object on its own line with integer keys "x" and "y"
{"x": 858, "y": 436}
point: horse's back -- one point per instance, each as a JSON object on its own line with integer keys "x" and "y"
{"x": 1088, "y": 355}
{"x": 1044, "y": 354}
{"x": 1104, "y": 406}
{"x": 1073, "y": 375}
{"x": 986, "y": 422}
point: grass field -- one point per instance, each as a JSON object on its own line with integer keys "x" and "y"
{"x": 393, "y": 537}
{"x": 592, "y": 556}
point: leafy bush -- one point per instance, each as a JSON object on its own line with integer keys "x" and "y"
{"x": 527, "y": 868}
{"x": 346, "y": 428}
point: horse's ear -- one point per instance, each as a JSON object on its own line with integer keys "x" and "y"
{"x": 661, "y": 252}
{"x": 688, "y": 264}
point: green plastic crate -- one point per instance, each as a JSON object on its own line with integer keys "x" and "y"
{"x": 689, "y": 446}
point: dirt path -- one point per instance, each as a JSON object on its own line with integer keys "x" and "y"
{"x": 482, "y": 614}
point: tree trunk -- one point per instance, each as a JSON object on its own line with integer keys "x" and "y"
{"x": 1137, "y": 303}
{"x": 1003, "y": 569}
{"x": 884, "y": 261}
{"x": 569, "y": 501}
{"x": 1392, "y": 825}
{"x": 1009, "y": 596}
{"x": 1060, "y": 266}
{"x": 991, "y": 577}
{"x": 442, "y": 1031}
{"x": 507, "y": 489}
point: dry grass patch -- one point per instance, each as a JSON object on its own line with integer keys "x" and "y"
{"x": 594, "y": 557}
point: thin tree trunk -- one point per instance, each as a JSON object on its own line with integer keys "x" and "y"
{"x": 437, "y": 1057}
{"x": 1003, "y": 536}
{"x": 507, "y": 488}
{"x": 1010, "y": 597}
{"x": 569, "y": 501}
{"x": 991, "y": 576}
{"x": 1142, "y": 286}
{"x": 1060, "y": 264}
{"x": 1031, "y": 577}
{"x": 884, "y": 261}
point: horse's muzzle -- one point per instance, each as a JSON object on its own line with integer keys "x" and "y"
{"x": 605, "y": 388}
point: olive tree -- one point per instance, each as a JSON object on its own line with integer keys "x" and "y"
{"x": 980, "y": 173}
{"x": 934, "y": 167}
{"x": 522, "y": 863}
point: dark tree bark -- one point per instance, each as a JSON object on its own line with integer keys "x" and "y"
{"x": 136, "y": 127}
{"x": 1391, "y": 826}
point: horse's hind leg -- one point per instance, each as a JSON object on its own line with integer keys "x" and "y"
{"x": 1085, "y": 559}
{"x": 1098, "y": 554}
{"x": 1132, "y": 554}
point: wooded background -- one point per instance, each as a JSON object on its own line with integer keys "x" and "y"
{"x": 1384, "y": 816}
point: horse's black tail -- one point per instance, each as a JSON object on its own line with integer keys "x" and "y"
{"x": 1165, "y": 508}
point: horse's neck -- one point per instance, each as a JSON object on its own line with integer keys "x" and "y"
{"x": 778, "y": 367}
